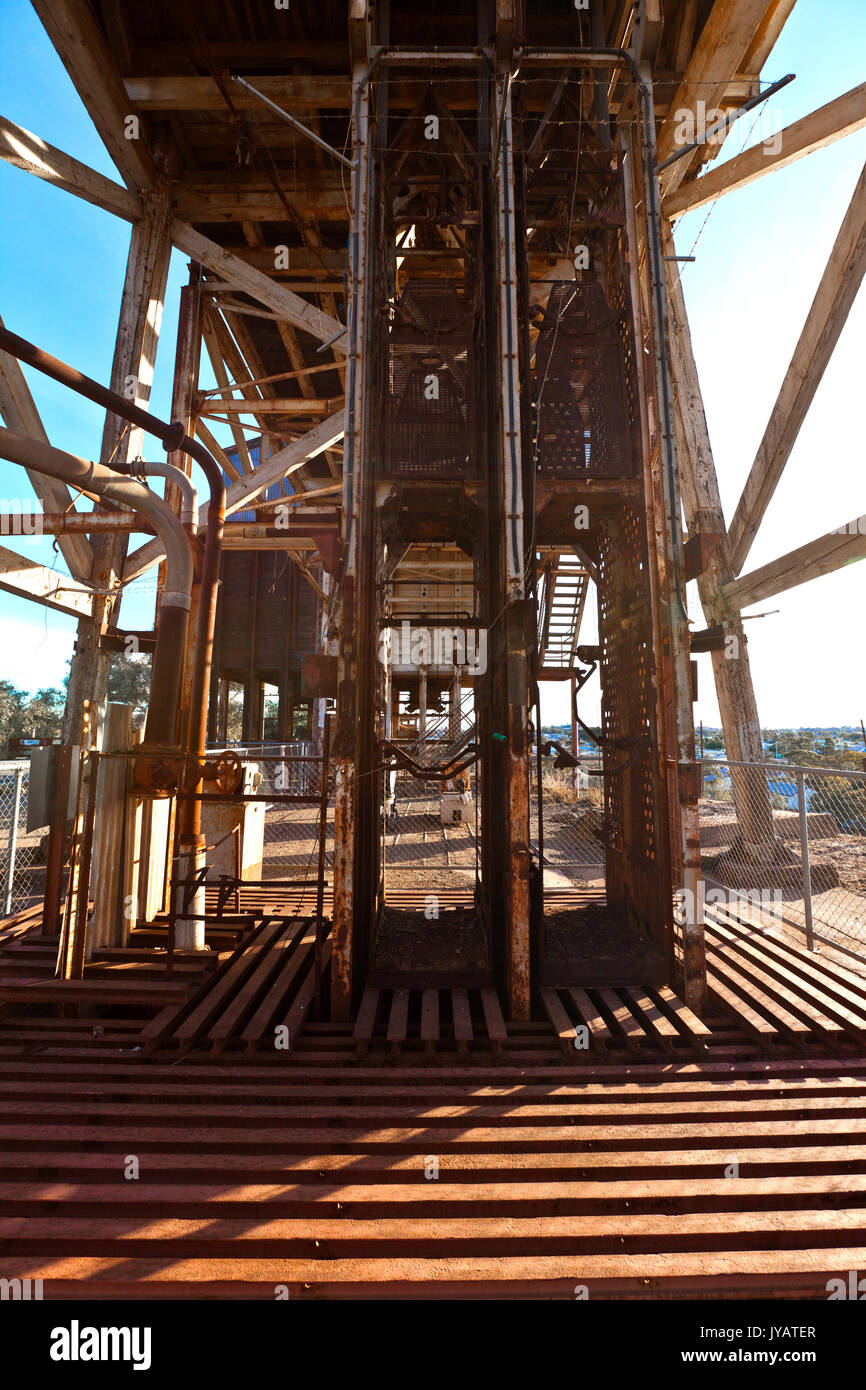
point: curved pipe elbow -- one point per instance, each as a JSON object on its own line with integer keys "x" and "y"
{"x": 129, "y": 492}
{"x": 184, "y": 484}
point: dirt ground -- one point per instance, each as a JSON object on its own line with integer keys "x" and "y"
{"x": 408, "y": 940}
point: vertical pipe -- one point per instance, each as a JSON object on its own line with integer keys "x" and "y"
{"x": 77, "y": 948}
{"x": 517, "y": 953}
{"x": 804, "y": 860}
{"x": 422, "y": 704}
{"x": 13, "y": 842}
{"x": 56, "y": 842}
{"x": 575, "y": 738}
{"x": 345, "y": 749}
{"x": 454, "y": 709}
{"x": 323, "y": 845}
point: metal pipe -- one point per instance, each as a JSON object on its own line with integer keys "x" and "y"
{"x": 182, "y": 481}
{"x": 722, "y": 126}
{"x": 70, "y": 523}
{"x": 805, "y": 866}
{"x": 161, "y": 724}
{"x": 311, "y": 134}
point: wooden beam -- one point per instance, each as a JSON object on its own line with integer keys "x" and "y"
{"x": 842, "y": 116}
{"x": 302, "y": 94}
{"x": 243, "y": 361}
{"x": 300, "y": 371}
{"x": 132, "y": 367}
{"x": 259, "y": 204}
{"x": 824, "y": 323}
{"x": 29, "y": 579}
{"x": 767, "y": 34}
{"x": 304, "y": 569}
{"x": 172, "y": 93}
{"x": 703, "y": 509}
{"x": 27, "y": 151}
{"x": 255, "y": 54}
{"x": 280, "y": 465}
{"x": 19, "y": 411}
{"x": 252, "y": 536}
{"x": 282, "y": 405}
{"x": 215, "y": 353}
{"x": 255, "y": 283}
{"x": 216, "y": 449}
{"x": 287, "y": 461}
{"x": 822, "y": 556}
{"x": 717, "y": 56}
{"x": 238, "y": 329}
{"x": 72, "y": 28}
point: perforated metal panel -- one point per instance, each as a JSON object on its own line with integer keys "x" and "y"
{"x": 429, "y": 428}
{"x": 628, "y": 700}
{"x": 583, "y": 405}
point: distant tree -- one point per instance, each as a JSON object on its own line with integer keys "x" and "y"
{"x": 129, "y": 683}
{"x": 43, "y": 713}
{"x": 12, "y": 709}
{"x": 235, "y": 714}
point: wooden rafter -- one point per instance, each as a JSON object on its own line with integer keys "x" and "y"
{"x": 215, "y": 354}
{"x": 838, "y": 118}
{"x": 27, "y": 151}
{"x": 280, "y": 465}
{"x": 29, "y": 579}
{"x": 216, "y": 449}
{"x": 18, "y": 409}
{"x": 255, "y": 283}
{"x": 824, "y": 323}
{"x": 237, "y": 332}
{"x": 717, "y": 56}
{"x": 87, "y": 57}
{"x": 822, "y": 556}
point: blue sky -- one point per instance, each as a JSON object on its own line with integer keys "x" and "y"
{"x": 760, "y": 254}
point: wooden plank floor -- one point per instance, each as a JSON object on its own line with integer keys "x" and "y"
{"x": 644, "y": 1180}
{"x": 431, "y": 1149}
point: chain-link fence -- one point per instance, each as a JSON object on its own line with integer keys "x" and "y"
{"x": 431, "y": 825}
{"x": 285, "y": 830}
{"x": 571, "y": 827}
{"x": 20, "y": 853}
{"x": 790, "y": 840}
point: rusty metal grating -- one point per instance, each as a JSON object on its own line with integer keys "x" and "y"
{"x": 627, "y": 683}
{"x": 582, "y": 401}
{"x": 429, "y": 423}
{"x": 427, "y": 437}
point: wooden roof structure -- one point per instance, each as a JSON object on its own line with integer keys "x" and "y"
{"x": 212, "y": 169}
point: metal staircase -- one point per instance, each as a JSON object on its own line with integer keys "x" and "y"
{"x": 562, "y": 590}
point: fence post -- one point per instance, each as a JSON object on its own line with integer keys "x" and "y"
{"x": 13, "y": 843}
{"x": 804, "y": 860}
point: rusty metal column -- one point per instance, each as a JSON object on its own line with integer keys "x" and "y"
{"x": 422, "y": 703}
{"x": 575, "y": 735}
{"x": 517, "y": 952}
{"x": 672, "y": 605}
{"x": 186, "y": 365}
{"x": 189, "y": 931}
{"x": 455, "y": 704}
{"x": 345, "y": 746}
